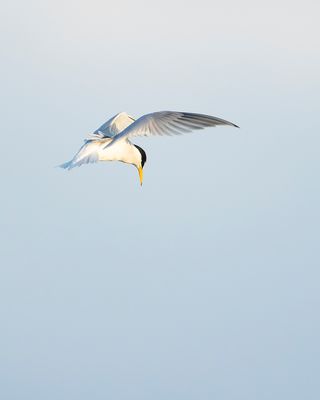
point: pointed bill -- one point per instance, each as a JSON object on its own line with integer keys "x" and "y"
{"x": 140, "y": 170}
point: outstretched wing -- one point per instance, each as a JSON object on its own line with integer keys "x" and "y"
{"x": 88, "y": 153}
{"x": 168, "y": 123}
{"x": 113, "y": 126}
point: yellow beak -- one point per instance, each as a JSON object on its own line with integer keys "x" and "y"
{"x": 140, "y": 170}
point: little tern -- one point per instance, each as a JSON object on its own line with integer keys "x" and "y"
{"x": 111, "y": 142}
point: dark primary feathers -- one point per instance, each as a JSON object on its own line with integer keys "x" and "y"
{"x": 168, "y": 123}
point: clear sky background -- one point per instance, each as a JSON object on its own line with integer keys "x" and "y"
{"x": 202, "y": 284}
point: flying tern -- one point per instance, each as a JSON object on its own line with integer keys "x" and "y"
{"x": 112, "y": 140}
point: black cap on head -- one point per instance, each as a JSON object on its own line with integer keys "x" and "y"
{"x": 143, "y": 155}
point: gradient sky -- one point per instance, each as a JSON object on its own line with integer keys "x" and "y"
{"x": 202, "y": 284}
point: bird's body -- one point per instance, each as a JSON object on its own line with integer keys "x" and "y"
{"x": 111, "y": 141}
{"x": 123, "y": 151}
{"x": 95, "y": 150}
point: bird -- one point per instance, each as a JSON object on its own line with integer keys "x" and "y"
{"x": 112, "y": 140}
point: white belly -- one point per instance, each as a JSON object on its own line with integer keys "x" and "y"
{"x": 121, "y": 151}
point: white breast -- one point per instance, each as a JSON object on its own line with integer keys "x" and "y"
{"x": 121, "y": 151}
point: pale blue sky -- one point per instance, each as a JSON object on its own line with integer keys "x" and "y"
{"x": 202, "y": 284}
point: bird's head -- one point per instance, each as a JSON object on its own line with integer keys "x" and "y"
{"x": 140, "y": 163}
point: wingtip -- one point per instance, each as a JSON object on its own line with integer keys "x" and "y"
{"x": 66, "y": 166}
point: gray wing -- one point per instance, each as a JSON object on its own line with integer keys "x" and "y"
{"x": 113, "y": 126}
{"x": 88, "y": 153}
{"x": 169, "y": 123}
